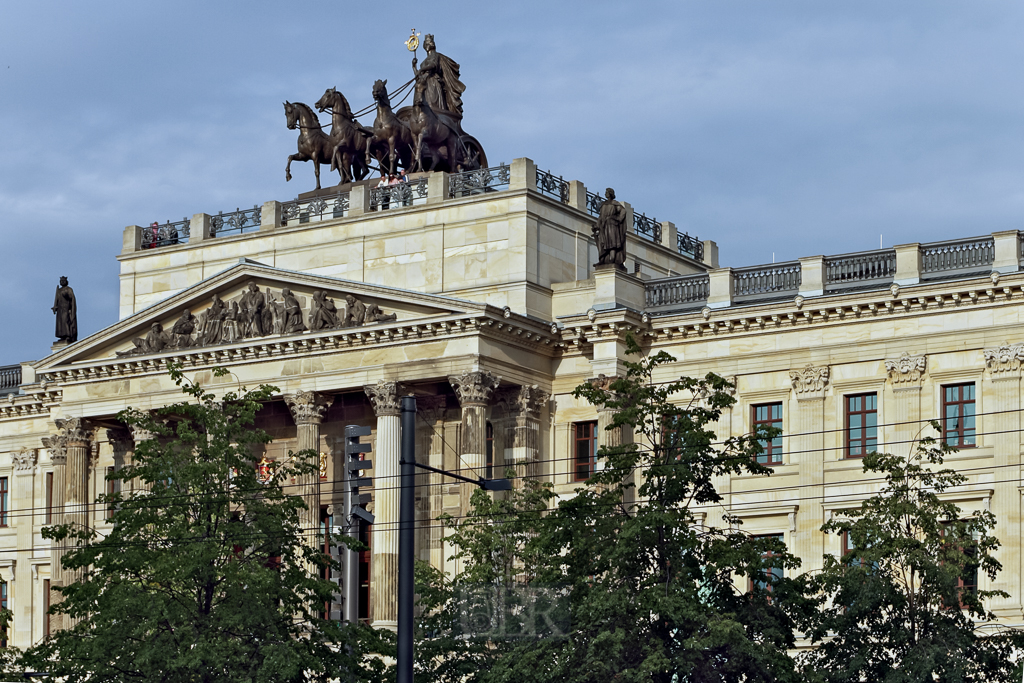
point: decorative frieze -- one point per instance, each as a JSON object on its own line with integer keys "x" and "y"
{"x": 810, "y": 382}
{"x": 906, "y": 371}
{"x": 1004, "y": 361}
{"x": 308, "y": 407}
{"x": 384, "y": 396}
{"x": 474, "y": 387}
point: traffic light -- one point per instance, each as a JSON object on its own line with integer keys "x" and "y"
{"x": 354, "y": 479}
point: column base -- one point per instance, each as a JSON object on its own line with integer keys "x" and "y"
{"x": 385, "y": 625}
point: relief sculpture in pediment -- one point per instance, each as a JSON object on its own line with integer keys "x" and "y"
{"x": 255, "y": 314}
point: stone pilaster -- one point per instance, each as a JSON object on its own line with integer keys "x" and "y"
{"x": 806, "y": 450}
{"x": 522, "y": 431}
{"x": 384, "y": 563}
{"x": 22, "y": 489}
{"x": 906, "y": 374}
{"x": 474, "y": 389}
{"x": 308, "y": 409}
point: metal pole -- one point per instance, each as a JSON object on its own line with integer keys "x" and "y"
{"x": 406, "y": 539}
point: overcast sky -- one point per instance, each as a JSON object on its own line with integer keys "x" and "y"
{"x": 793, "y": 128}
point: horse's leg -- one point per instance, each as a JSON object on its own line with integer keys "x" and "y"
{"x": 288, "y": 167}
{"x": 316, "y": 169}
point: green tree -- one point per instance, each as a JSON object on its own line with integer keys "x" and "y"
{"x": 654, "y": 595}
{"x": 903, "y": 604}
{"x": 204, "y": 576}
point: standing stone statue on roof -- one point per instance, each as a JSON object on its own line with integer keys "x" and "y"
{"x": 610, "y": 232}
{"x": 66, "y": 309}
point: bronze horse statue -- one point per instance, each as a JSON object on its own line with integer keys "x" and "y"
{"x": 314, "y": 144}
{"x": 347, "y": 136}
{"x": 391, "y": 135}
{"x": 432, "y": 131}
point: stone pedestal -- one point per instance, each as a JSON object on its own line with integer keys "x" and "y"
{"x": 308, "y": 409}
{"x": 474, "y": 390}
{"x": 386, "y": 472}
{"x": 615, "y": 288}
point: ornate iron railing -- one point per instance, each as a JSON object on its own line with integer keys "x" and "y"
{"x": 239, "y": 220}
{"x": 647, "y": 227}
{"x": 553, "y": 186}
{"x": 678, "y": 291}
{"x": 10, "y": 378}
{"x": 758, "y": 281}
{"x": 953, "y": 256}
{"x": 397, "y": 196}
{"x": 690, "y": 246}
{"x": 163, "y": 235}
{"x": 479, "y": 181}
{"x": 594, "y": 202}
{"x": 861, "y": 268}
{"x": 318, "y": 208}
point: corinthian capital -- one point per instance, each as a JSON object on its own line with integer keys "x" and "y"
{"x": 384, "y": 397}
{"x": 907, "y": 370}
{"x": 308, "y": 407}
{"x": 474, "y": 387}
{"x": 810, "y": 380}
{"x": 525, "y": 400}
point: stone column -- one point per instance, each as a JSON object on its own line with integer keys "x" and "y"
{"x": 384, "y": 560}
{"x": 522, "y": 439}
{"x": 474, "y": 390}
{"x": 430, "y": 485}
{"x": 308, "y": 409}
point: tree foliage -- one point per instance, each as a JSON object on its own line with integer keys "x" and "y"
{"x": 898, "y": 610}
{"x": 203, "y": 576}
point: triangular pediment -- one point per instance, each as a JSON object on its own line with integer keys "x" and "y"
{"x": 221, "y": 311}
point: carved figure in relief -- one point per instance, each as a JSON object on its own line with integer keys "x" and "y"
{"x": 292, "y": 313}
{"x": 230, "y": 332}
{"x": 271, "y": 314}
{"x": 213, "y": 322}
{"x": 354, "y": 312}
{"x": 610, "y": 231}
{"x": 373, "y": 314}
{"x": 183, "y": 328}
{"x": 323, "y": 314}
{"x": 154, "y": 342}
{"x": 253, "y": 303}
{"x": 66, "y": 309}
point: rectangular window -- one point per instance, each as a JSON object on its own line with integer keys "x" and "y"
{"x": 490, "y": 451}
{"x": 46, "y": 608}
{"x": 49, "y": 497}
{"x": 769, "y": 415}
{"x": 967, "y": 582}
{"x": 861, "y": 425}
{"x": 958, "y": 415}
{"x": 770, "y": 569}
{"x": 584, "y": 449}
{"x": 111, "y": 489}
{"x": 5, "y": 499}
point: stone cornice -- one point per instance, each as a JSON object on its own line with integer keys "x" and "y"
{"x": 834, "y": 309}
{"x": 38, "y": 402}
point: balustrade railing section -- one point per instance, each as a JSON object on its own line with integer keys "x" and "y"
{"x": 398, "y": 195}
{"x": 479, "y": 181}
{"x": 594, "y": 202}
{"x": 690, "y": 246}
{"x": 164, "y": 235}
{"x": 10, "y": 378}
{"x": 678, "y": 291}
{"x": 860, "y": 269}
{"x": 954, "y": 257}
{"x": 316, "y": 209}
{"x": 553, "y": 186}
{"x": 647, "y": 227}
{"x": 237, "y": 221}
{"x": 766, "y": 281}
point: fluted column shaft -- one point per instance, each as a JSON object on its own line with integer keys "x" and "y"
{"x": 384, "y": 556}
{"x": 522, "y": 440}
{"x": 308, "y": 409}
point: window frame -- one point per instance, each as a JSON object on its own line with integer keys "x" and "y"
{"x": 5, "y": 500}
{"x": 779, "y": 572}
{"x": 591, "y": 439}
{"x": 770, "y": 449}
{"x": 847, "y": 413}
{"x": 48, "y": 492}
{"x": 489, "y": 449}
{"x": 960, "y": 431}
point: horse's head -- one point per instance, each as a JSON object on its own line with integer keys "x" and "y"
{"x": 380, "y": 92}
{"x": 325, "y": 102}
{"x": 291, "y": 114}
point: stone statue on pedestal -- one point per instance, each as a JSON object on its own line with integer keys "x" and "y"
{"x": 66, "y": 309}
{"x": 610, "y": 232}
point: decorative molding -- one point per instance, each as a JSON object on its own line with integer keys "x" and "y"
{"x": 810, "y": 382}
{"x": 58, "y": 447}
{"x": 474, "y": 388}
{"x": 24, "y": 460}
{"x": 71, "y": 431}
{"x": 906, "y": 371}
{"x": 308, "y": 407}
{"x": 384, "y": 397}
{"x": 1004, "y": 361}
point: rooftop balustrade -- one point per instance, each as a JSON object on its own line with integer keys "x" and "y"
{"x": 414, "y": 193}
{"x": 680, "y": 292}
{"x": 10, "y": 379}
